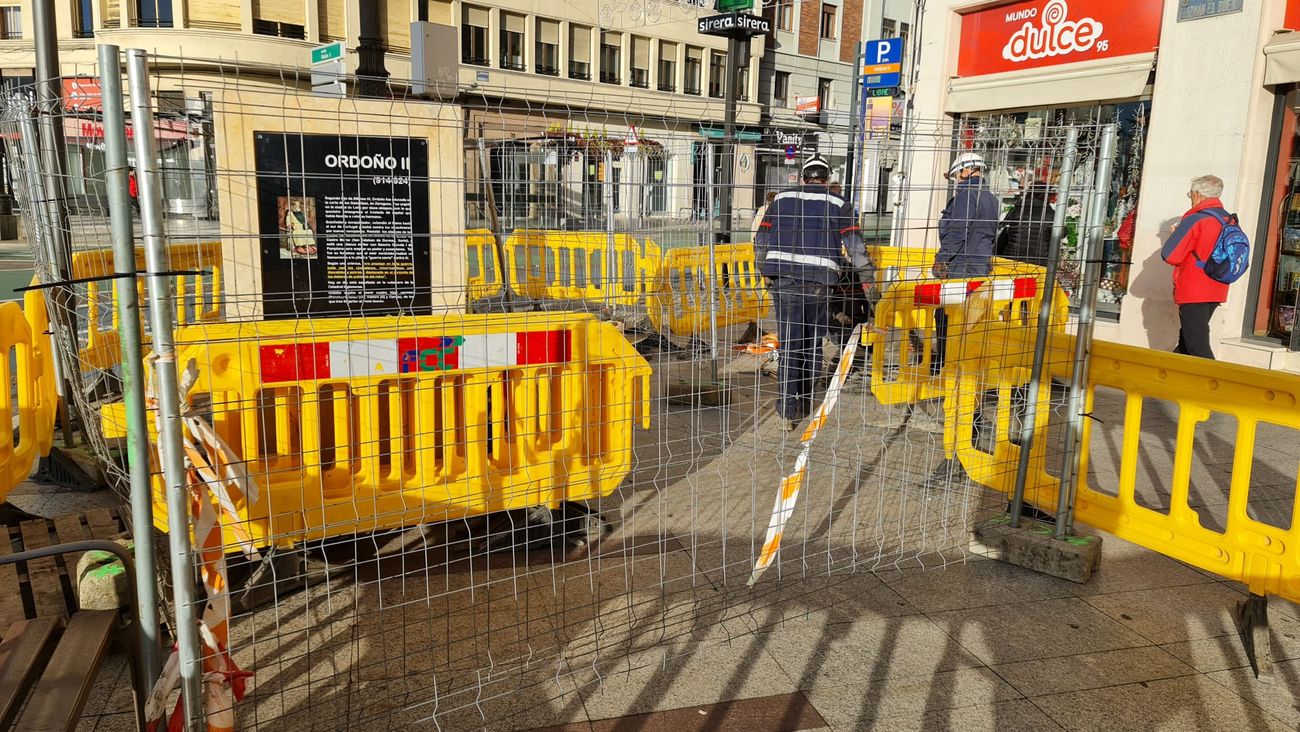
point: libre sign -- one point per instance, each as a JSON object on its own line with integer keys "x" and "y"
{"x": 1036, "y": 33}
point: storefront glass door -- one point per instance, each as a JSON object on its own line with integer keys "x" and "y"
{"x": 1279, "y": 288}
{"x": 1018, "y": 148}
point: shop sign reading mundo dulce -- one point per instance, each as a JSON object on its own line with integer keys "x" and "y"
{"x": 1036, "y": 33}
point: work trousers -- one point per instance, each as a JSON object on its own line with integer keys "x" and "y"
{"x": 939, "y": 356}
{"x": 801, "y": 317}
{"x": 1194, "y": 333}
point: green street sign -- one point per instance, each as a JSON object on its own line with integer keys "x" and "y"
{"x": 727, "y": 6}
{"x": 326, "y": 53}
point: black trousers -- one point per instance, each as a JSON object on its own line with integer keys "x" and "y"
{"x": 1194, "y": 333}
{"x": 940, "y": 353}
{"x": 801, "y": 316}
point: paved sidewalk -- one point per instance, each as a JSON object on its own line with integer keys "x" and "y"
{"x": 875, "y": 616}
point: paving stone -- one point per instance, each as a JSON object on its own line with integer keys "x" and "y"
{"x": 1172, "y": 614}
{"x": 1227, "y": 652}
{"x": 781, "y": 712}
{"x": 851, "y": 706}
{"x": 977, "y": 584}
{"x": 816, "y": 654}
{"x": 1277, "y": 696}
{"x": 702, "y": 675}
{"x": 1170, "y": 705}
{"x": 836, "y": 599}
{"x": 122, "y": 722}
{"x": 1125, "y": 566}
{"x": 1036, "y": 630}
{"x": 1018, "y": 715}
{"x": 1092, "y": 670}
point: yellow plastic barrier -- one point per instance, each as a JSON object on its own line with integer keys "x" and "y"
{"x": 484, "y": 272}
{"x": 29, "y": 399}
{"x": 198, "y": 299}
{"x": 1009, "y": 298}
{"x": 1262, "y": 556}
{"x": 45, "y": 392}
{"x": 563, "y": 265}
{"x": 680, "y": 303}
{"x": 351, "y": 427}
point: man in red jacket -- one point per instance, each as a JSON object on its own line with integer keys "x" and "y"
{"x": 1191, "y": 243}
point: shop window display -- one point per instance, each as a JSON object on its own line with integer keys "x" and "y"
{"x": 1279, "y": 286}
{"x": 1019, "y": 148}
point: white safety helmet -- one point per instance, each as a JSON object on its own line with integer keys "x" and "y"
{"x": 816, "y": 169}
{"x": 965, "y": 161}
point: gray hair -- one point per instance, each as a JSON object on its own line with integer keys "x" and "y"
{"x": 1210, "y": 186}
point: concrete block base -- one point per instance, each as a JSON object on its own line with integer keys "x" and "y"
{"x": 101, "y": 580}
{"x": 1031, "y": 546}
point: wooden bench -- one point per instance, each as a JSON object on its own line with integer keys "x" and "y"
{"x": 56, "y": 665}
{"x": 49, "y": 657}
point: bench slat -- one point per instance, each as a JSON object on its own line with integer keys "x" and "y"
{"x": 11, "y": 598}
{"x": 43, "y": 573}
{"x": 69, "y": 529}
{"x": 102, "y": 524}
{"x": 27, "y": 645}
{"x": 61, "y": 693}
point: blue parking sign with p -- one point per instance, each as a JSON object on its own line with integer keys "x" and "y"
{"x": 882, "y": 64}
{"x": 885, "y": 51}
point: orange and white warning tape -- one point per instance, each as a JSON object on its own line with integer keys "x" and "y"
{"x": 790, "y": 487}
{"x": 214, "y": 473}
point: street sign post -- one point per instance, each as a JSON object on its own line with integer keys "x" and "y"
{"x": 734, "y": 25}
{"x": 883, "y": 63}
{"x": 326, "y": 53}
{"x": 328, "y": 70}
{"x": 737, "y": 28}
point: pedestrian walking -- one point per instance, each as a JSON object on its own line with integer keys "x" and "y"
{"x": 133, "y": 189}
{"x": 806, "y": 239}
{"x": 968, "y": 228}
{"x": 1193, "y": 243}
{"x": 1026, "y": 234}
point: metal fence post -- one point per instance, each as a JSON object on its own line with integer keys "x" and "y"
{"x": 1028, "y": 422}
{"x": 1092, "y": 271}
{"x": 162, "y": 307}
{"x": 711, "y": 162}
{"x": 128, "y": 316}
{"x": 53, "y": 169}
{"x": 611, "y": 247}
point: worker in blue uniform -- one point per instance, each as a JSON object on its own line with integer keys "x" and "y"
{"x": 808, "y": 236}
{"x": 968, "y": 229}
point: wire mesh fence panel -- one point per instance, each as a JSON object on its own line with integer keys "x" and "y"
{"x": 479, "y": 393}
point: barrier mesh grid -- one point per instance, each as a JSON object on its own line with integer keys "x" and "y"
{"x": 486, "y": 385}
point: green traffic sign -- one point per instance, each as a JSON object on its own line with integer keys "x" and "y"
{"x": 882, "y": 91}
{"x": 326, "y": 53}
{"x": 727, "y": 6}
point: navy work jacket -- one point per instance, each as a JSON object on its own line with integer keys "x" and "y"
{"x": 806, "y": 234}
{"x": 968, "y": 229}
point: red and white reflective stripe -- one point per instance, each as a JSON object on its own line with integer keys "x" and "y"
{"x": 955, "y": 293}
{"x": 283, "y": 362}
{"x": 788, "y": 496}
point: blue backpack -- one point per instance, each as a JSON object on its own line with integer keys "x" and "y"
{"x": 1230, "y": 258}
